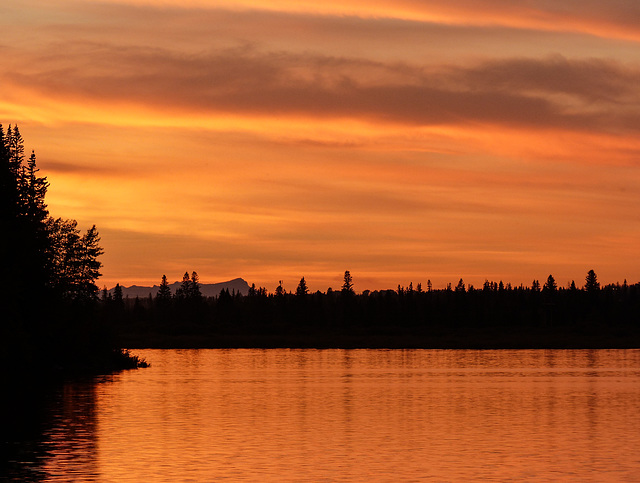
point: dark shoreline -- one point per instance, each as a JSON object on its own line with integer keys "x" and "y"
{"x": 498, "y": 338}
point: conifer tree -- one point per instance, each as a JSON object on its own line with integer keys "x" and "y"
{"x": 118, "y": 298}
{"x": 347, "y": 285}
{"x": 89, "y": 265}
{"x": 550, "y": 285}
{"x": 194, "y": 287}
{"x": 591, "y": 282}
{"x": 164, "y": 291}
{"x": 302, "y": 289}
{"x": 185, "y": 287}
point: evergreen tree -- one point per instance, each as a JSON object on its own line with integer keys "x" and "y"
{"x": 118, "y": 298}
{"x": 194, "y": 287}
{"x": 89, "y": 265}
{"x": 164, "y": 292}
{"x": 73, "y": 259}
{"x": 185, "y": 287}
{"x": 550, "y": 285}
{"x": 302, "y": 289}
{"x": 347, "y": 285}
{"x": 116, "y": 303}
{"x": 591, "y": 282}
{"x": 15, "y": 147}
{"x": 105, "y": 295}
{"x": 22, "y": 222}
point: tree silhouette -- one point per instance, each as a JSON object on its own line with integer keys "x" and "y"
{"x": 550, "y": 285}
{"x": 73, "y": 258}
{"x": 184, "y": 290}
{"x": 302, "y": 289}
{"x": 347, "y": 285}
{"x": 194, "y": 287}
{"x": 118, "y": 299}
{"x": 591, "y": 282}
{"x": 89, "y": 266}
{"x": 48, "y": 275}
{"x": 164, "y": 291}
{"x": 49, "y": 257}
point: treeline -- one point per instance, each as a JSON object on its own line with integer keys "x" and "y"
{"x": 48, "y": 294}
{"x": 494, "y": 315}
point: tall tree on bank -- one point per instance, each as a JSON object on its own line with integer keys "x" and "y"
{"x": 42, "y": 258}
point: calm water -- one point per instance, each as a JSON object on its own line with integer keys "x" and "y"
{"x": 334, "y": 415}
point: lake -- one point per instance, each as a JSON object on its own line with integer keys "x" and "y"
{"x": 343, "y": 415}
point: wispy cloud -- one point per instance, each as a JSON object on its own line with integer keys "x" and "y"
{"x": 552, "y": 92}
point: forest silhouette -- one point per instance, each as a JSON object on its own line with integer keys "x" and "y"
{"x": 47, "y": 280}
{"x": 496, "y": 315}
{"x": 55, "y": 318}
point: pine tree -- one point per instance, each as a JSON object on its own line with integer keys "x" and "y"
{"x": 89, "y": 265}
{"x": 550, "y": 285}
{"x": 302, "y": 289}
{"x": 185, "y": 287}
{"x": 118, "y": 298}
{"x": 347, "y": 285}
{"x": 194, "y": 287}
{"x": 591, "y": 282}
{"x": 15, "y": 148}
{"x": 8, "y": 184}
{"x": 164, "y": 292}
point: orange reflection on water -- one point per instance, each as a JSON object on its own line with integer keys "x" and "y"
{"x": 360, "y": 415}
{"x": 291, "y": 415}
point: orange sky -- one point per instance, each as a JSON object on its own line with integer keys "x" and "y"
{"x": 403, "y": 141}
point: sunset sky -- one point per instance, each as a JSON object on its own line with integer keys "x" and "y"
{"x": 402, "y": 140}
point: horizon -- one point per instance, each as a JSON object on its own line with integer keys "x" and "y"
{"x": 402, "y": 141}
{"x": 292, "y": 286}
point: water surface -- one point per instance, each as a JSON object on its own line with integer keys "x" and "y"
{"x": 348, "y": 415}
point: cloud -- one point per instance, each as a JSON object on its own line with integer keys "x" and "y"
{"x": 614, "y": 18}
{"x": 551, "y": 92}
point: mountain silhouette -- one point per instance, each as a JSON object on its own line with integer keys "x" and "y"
{"x": 207, "y": 289}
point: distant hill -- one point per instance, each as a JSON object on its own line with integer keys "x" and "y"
{"x": 207, "y": 289}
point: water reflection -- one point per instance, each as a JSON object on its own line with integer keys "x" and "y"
{"x": 292, "y": 415}
{"x": 51, "y": 432}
